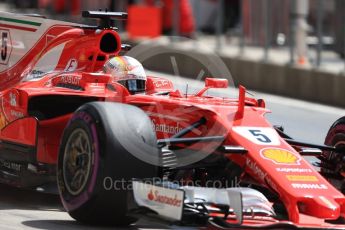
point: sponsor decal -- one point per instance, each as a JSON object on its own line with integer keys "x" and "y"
{"x": 255, "y": 168}
{"x": 261, "y": 174}
{"x": 294, "y": 170}
{"x": 13, "y": 99}
{"x": 16, "y": 114}
{"x": 259, "y": 135}
{"x": 280, "y": 156}
{"x": 271, "y": 183}
{"x": 10, "y": 165}
{"x": 10, "y": 107}
{"x": 18, "y": 45}
{"x": 161, "y": 83}
{"x": 35, "y": 75}
{"x": 166, "y": 202}
{"x": 164, "y": 128}
{"x": 163, "y": 199}
{"x": 308, "y": 178}
{"x": 309, "y": 186}
{"x": 72, "y": 65}
{"x": 70, "y": 79}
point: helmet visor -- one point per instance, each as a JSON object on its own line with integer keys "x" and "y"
{"x": 134, "y": 85}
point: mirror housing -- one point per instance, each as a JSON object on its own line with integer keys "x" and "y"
{"x": 216, "y": 83}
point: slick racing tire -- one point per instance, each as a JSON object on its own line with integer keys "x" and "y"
{"x": 333, "y": 163}
{"x": 95, "y": 165}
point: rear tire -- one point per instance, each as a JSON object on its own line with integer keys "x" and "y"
{"x": 95, "y": 168}
{"x": 332, "y": 163}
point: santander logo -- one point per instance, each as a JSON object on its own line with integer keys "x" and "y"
{"x": 150, "y": 196}
{"x": 154, "y": 196}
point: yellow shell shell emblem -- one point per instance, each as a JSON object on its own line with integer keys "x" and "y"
{"x": 280, "y": 156}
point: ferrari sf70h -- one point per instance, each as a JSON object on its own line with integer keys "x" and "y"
{"x": 115, "y": 156}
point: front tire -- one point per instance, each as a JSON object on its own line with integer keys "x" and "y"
{"x": 96, "y": 166}
{"x": 333, "y": 163}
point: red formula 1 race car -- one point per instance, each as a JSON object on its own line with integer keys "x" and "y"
{"x": 115, "y": 154}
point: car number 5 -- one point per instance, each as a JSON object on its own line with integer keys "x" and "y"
{"x": 4, "y": 37}
{"x": 260, "y": 136}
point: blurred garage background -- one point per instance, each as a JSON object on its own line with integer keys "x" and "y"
{"x": 293, "y": 48}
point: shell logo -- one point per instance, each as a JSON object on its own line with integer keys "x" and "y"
{"x": 280, "y": 156}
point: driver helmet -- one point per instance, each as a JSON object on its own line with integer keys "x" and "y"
{"x": 127, "y": 71}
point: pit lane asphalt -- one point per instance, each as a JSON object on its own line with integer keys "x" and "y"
{"x": 23, "y": 209}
